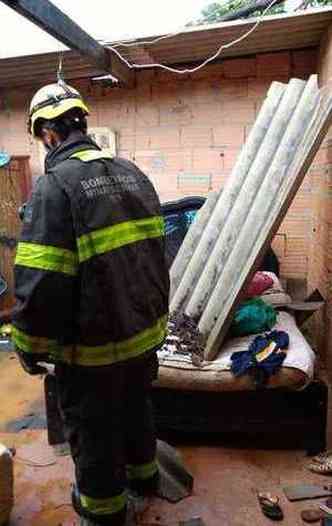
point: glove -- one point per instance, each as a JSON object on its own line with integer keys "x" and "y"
{"x": 29, "y": 362}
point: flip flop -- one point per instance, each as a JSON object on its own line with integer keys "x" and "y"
{"x": 322, "y": 457}
{"x": 270, "y": 506}
{"x": 312, "y": 515}
{"x": 323, "y": 468}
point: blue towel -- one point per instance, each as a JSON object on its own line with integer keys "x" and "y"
{"x": 4, "y": 159}
{"x": 246, "y": 362}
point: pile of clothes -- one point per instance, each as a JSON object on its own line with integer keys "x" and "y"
{"x": 267, "y": 351}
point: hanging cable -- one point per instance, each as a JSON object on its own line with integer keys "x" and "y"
{"x": 59, "y": 74}
{"x": 203, "y": 64}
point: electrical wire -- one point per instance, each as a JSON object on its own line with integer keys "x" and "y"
{"x": 203, "y": 64}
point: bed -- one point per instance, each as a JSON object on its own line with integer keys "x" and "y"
{"x": 209, "y": 399}
{"x": 177, "y": 371}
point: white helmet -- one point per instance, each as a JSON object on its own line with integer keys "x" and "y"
{"x": 54, "y": 100}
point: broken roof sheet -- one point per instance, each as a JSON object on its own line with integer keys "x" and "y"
{"x": 269, "y": 170}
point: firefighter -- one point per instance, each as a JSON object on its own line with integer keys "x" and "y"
{"x": 92, "y": 297}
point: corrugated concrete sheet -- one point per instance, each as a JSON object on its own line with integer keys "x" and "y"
{"x": 282, "y": 144}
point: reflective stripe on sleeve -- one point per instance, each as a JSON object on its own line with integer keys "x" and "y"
{"x": 113, "y": 237}
{"x": 47, "y": 257}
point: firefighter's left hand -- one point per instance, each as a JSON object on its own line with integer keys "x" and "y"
{"x": 29, "y": 362}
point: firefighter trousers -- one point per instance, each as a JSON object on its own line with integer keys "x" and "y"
{"x": 109, "y": 425}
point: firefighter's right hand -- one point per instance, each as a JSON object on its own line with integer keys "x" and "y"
{"x": 29, "y": 362}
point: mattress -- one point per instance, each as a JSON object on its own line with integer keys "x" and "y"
{"x": 177, "y": 371}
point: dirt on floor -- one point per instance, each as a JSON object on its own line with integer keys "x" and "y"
{"x": 226, "y": 477}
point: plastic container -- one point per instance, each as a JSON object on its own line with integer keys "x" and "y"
{"x": 6, "y": 485}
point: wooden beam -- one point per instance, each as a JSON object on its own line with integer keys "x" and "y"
{"x": 52, "y": 20}
{"x": 119, "y": 70}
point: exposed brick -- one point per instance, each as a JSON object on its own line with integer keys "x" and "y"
{"x": 165, "y": 138}
{"x": 258, "y": 88}
{"x": 228, "y": 135}
{"x": 165, "y": 77}
{"x": 233, "y": 89}
{"x": 207, "y": 160}
{"x": 166, "y": 95}
{"x": 145, "y": 76}
{"x": 151, "y": 161}
{"x": 212, "y": 71}
{"x": 304, "y": 62}
{"x": 126, "y": 140}
{"x": 193, "y": 136}
{"x": 179, "y": 160}
{"x": 242, "y": 112}
{"x": 240, "y": 68}
{"x": 201, "y": 92}
{"x": 207, "y": 113}
{"x": 147, "y": 114}
{"x": 271, "y": 64}
{"x": 325, "y": 58}
{"x": 141, "y": 138}
{"x": 165, "y": 161}
{"x": 142, "y": 94}
{"x": 116, "y": 115}
{"x": 230, "y": 157}
{"x": 320, "y": 157}
{"x": 179, "y": 114}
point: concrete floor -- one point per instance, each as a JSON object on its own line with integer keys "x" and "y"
{"x": 226, "y": 479}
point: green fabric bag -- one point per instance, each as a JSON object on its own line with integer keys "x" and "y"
{"x": 253, "y": 317}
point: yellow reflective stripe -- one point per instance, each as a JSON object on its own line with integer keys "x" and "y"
{"x": 104, "y": 506}
{"x": 117, "y": 352}
{"x": 34, "y": 344}
{"x": 46, "y": 257}
{"x": 92, "y": 155}
{"x": 142, "y": 471}
{"x": 112, "y": 237}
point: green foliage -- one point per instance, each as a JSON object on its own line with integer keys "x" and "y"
{"x": 214, "y": 11}
{"x": 319, "y": 3}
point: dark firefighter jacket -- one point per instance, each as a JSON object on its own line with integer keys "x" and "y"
{"x": 91, "y": 279}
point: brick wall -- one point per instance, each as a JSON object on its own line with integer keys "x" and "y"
{"x": 320, "y": 255}
{"x": 186, "y": 131}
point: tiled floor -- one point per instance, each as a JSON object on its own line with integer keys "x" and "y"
{"x": 226, "y": 478}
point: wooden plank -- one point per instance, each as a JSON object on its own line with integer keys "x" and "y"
{"x": 15, "y": 181}
{"x": 52, "y": 20}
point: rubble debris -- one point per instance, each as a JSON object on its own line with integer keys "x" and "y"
{"x": 185, "y": 337}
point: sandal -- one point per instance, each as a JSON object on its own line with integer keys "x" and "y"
{"x": 322, "y": 457}
{"x": 270, "y": 506}
{"x": 312, "y": 515}
{"x": 324, "y": 468}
